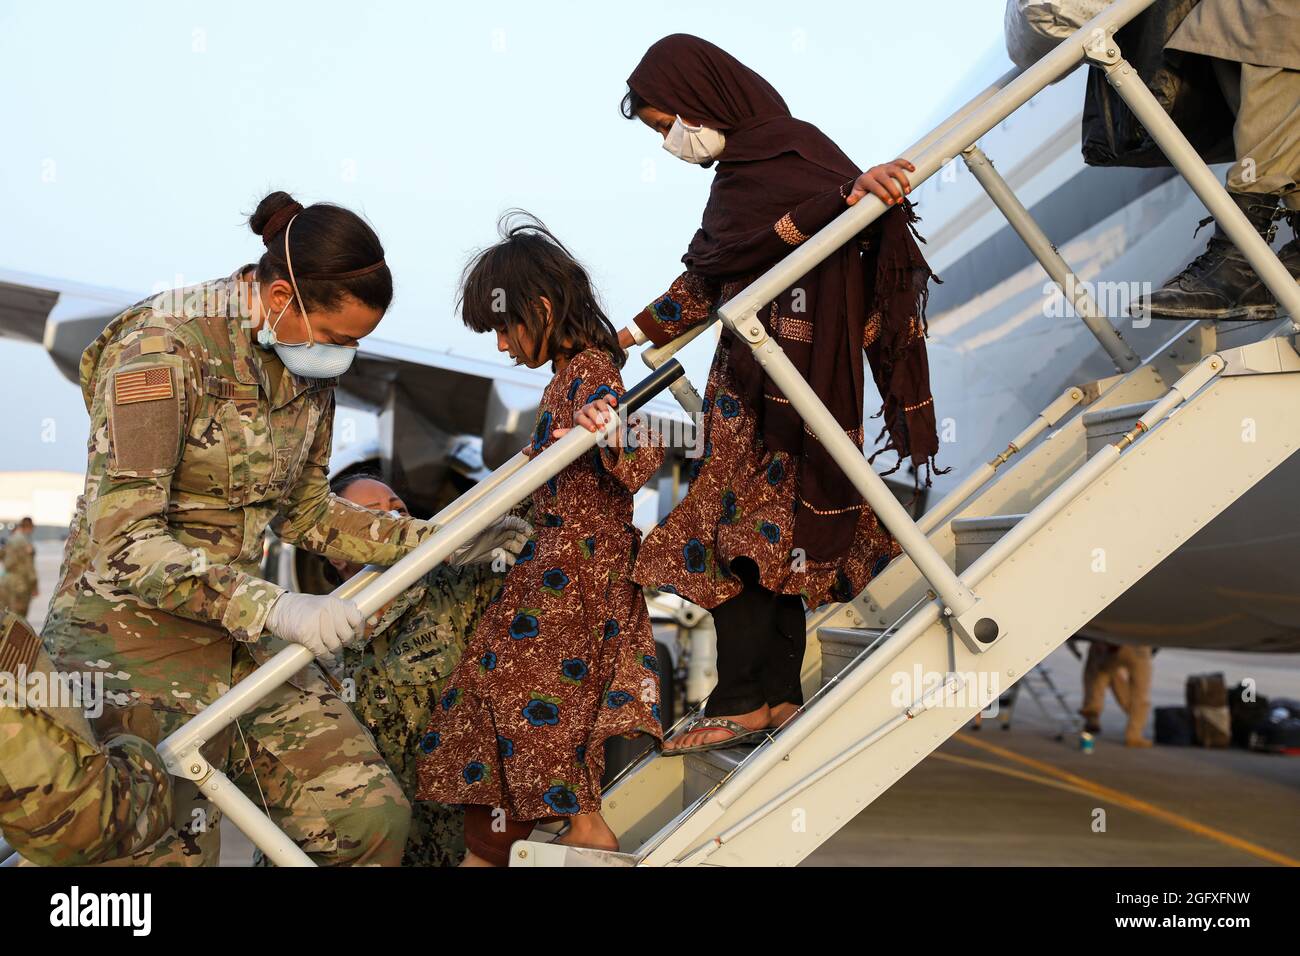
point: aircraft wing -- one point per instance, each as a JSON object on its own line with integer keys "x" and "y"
{"x": 444, "y": 419}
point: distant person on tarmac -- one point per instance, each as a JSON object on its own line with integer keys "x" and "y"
{"x": 1126, "y": 670}
{"x": 18, "y": 584}
{"x": 771, "y": 521}
{"x": 211, "y": 420}
{"x": 1254, "y": 46}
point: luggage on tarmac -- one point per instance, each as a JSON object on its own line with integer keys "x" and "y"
{"x": 1174, "y": 727}
{"x": 1245, "y": 713}
{"x": 1207, "y": 700}
{"x": 1279, "y": 731}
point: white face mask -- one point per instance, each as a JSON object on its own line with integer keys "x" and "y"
{"x": 695, "y": 144}
{"x": 310, "y": 359}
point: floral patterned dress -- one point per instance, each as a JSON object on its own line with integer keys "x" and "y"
{"x": 741, "y": 502}
{"x": 742, "y": 495}
{"x": 564, "y": 657}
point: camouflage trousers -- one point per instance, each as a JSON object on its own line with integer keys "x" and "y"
{"x": 398, "y": 716}
{"x": 303, "y": 757}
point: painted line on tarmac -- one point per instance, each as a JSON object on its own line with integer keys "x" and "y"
{"x": 1083, "y": 785}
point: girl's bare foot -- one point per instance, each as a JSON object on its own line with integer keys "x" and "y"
{"x": 754, "y": 720}
{"x": 590, "y": 831}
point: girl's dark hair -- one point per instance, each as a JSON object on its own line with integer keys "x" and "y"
{"x": 632, "y": 101}
{"x": 326, "y": 242}
{"x": 502, "y": 287}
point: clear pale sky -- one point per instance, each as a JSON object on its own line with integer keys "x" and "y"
{"x": 138, "y": 135}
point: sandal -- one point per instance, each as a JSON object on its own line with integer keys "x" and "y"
{"x": 740, "y": 736}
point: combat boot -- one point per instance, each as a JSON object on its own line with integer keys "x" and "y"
{"x": 1219, "y": 283}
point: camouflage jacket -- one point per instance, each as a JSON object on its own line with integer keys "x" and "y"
{"x": 412, "y": 647}
{"x": 19, "y": 564}
{"x": 199, "y": 440}
{"x": 66, "y": 800}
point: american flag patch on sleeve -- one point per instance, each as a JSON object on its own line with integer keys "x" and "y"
{"x": 18, "y": 646}
{"x": 142, "y": 385}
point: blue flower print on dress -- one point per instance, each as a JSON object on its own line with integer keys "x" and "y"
{"x": 696, "y": 556}
{"x": 527, "y": 552}
{"x": 729, "y": 510}
{"x": 573, "y": 389}
{"x": 650, "y": 662}
{"x": 775, "y": 471}
{"x": 611, "y": 629}
{"x": 554, "y": 581}
{"x": 525, "y": 624}
{"x": 488, "y": 662}
{"x": 617, "y": 698}
{"x": 542, "y": 432}
{"x": 600, "y": 393}
{"x": 769, "y": 531}
{"x": 580, "y": 753}
{"x": 561, "y": 798}
{"x": 449, "y": 699}
{"x": 573, "y": 670}
{"x": 474, "y": 772}
{"x": 729, "y": 407}
{"x": 667, "y": 309}
{"x": 542, "y": 711}
{"x": 588, "y": 547}
{"x": 429, "y": 742}
{"x": 505, "y": 746}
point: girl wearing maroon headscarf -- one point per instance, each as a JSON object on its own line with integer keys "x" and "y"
{"x": 770, "y": 522}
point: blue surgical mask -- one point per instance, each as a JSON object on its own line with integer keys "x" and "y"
{"x": 308, "y": 359}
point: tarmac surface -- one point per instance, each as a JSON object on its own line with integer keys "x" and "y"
{"x": 1022, "y": 798}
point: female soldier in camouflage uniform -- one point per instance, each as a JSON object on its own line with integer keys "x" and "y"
{"x": 199, "y": 440}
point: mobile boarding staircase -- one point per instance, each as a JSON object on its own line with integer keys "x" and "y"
{"x": 1043, "y": 512}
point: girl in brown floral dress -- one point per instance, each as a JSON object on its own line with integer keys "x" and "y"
{"x": 564, "y": 658}
{"x": 770, "y": 520}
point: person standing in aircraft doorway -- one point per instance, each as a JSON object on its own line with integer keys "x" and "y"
{"x": 1253, "y": 47}
{"x": 212, "y": 413}
{"x": 770, "y": 521}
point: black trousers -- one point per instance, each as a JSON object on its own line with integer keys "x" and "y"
{"x": 761, "y": 640}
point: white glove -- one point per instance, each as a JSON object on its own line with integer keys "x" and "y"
{"x": 318, "y": 622}
{"x": 501, "y": 541}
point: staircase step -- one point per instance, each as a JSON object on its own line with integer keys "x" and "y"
{"x": 707, "y": 769}
{"x": 1106, "y": 425}
{"x": 841, "y": 645}
{"x": 974, "y": 536}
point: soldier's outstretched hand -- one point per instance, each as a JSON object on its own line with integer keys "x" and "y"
{"x": 319, "y": 622}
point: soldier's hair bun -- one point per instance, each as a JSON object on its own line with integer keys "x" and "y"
{"x": 335, "y": 252}
{"x": 273, "y": 214}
